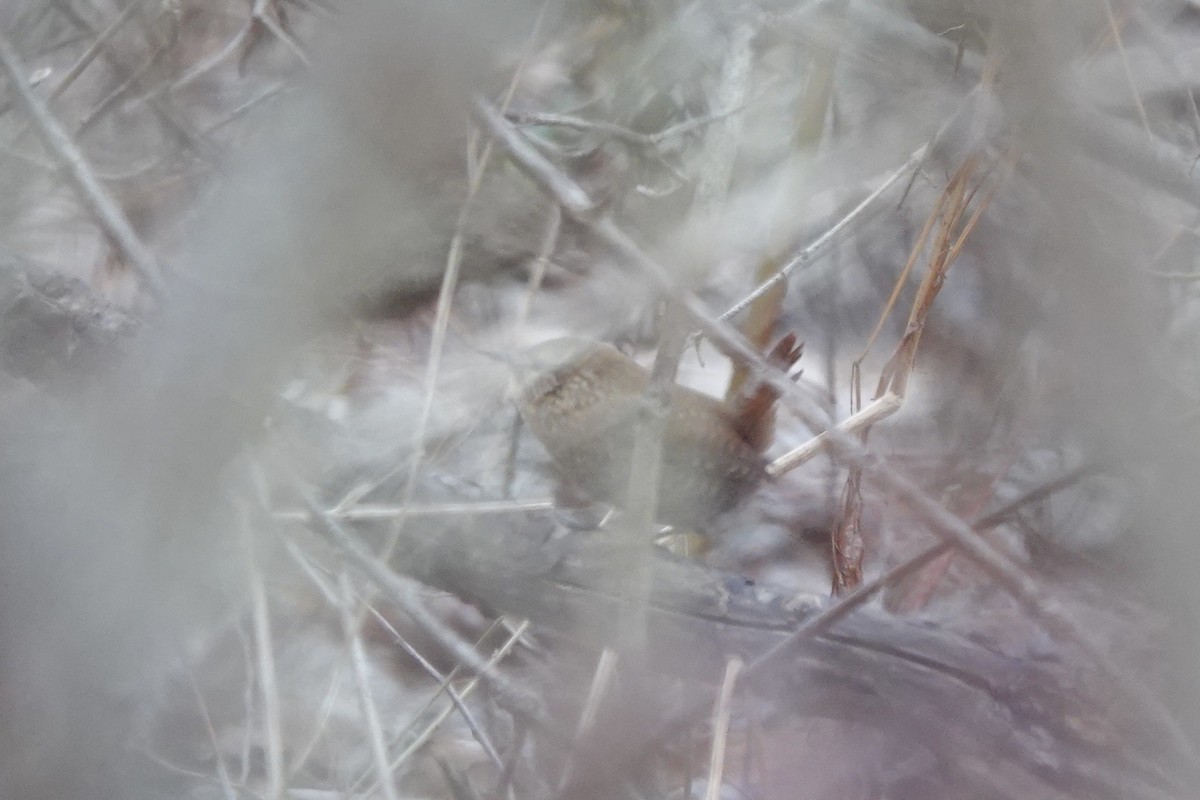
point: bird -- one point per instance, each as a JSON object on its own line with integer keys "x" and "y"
{"x": 581, "y": 398}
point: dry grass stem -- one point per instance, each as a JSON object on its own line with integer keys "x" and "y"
{"x": 94, "y": 49}
{"x": 402, "y": 592}
{"x": 637, "y": 526}
{"x": 362, "y": 684}
{"x": 441, "y": 322}
{"x": 720, "y": 727}
{"x": 849, "y": 548}
{"x": 810, "y": 252}
{"x": 222, "y": 770}
{"x": 528, "y": 118}
{"x": 423, "y": 738}
{"x": 364, "y": 512}
{"x": 858, "y": 215}
{"x": 1119, "y": 41}
{"x": 446, "y": 685}
{"x": 265, "y": 15}
{"x": 602, "y": 679}
{"x": 267, "y": 674}
{"x": 879, "y": 409}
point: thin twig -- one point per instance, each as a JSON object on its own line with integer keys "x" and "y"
{"x": 131, "y": 80}
{"x": 241, "y": 110}
{"x": 247, "y": 703}
{"x": 536, "y": 275}
{"x": 332, "y": 597}
{"x": 526, "y": 118}
{"x": 208, "y": 64}
{"x": 879, "y": 409}
{"x": 94, "y": 49}
{"x": 634, "y": 573}
{"x": 901, "y": 281}
{"x": 441, "y": 320}
{"x": 721, "y": 715}
{"x": 602, "y": 679}
{"x": 300, "y": 758}
{"x": 267, "y": 19}
{"x": 164, "y": 113}
{"x": 504, "y": 783}
{"x": 444, "y": 684}
{"x": 403, "y": 593}
{"x": 365, "y": 511}
{"x": 419, "y": 713}
{"x": 268, "y": 682}
{"x": 358, "y": 660}
{"x": 444, "y": 714}
{"x": 222, "y": 770}
{"x": 817, "y": 246}
{"x": 1120, "y": 43}
{"x": 102, "y": 205}
{"x": 537, "y": 272}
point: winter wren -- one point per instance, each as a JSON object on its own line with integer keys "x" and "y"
{"x": 581, "y": 399}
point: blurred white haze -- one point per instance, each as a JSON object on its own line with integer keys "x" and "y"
{"x": 258, "y": 256}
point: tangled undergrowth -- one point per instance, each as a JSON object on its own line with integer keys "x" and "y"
{"x": 271, "y": 524}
